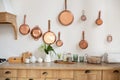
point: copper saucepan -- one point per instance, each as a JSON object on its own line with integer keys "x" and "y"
{"x": 49, "y": 37}
{"x": 66, "y": 17}
{"x": 59, "y": 42}
{"x": 83, "y": 43}
{"x": 36, "y": 32}
{"x": 24, "y": 28}
{"x": 99, "y": 21}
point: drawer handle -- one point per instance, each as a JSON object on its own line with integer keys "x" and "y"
{"x": 59, "y": 79}
{"x": 7, "y": 79}
{"x": 31, "y": 79}
{"x": 87, "y": 71}
{"x": 7, "y": 72}
{"x": 45, "y": 73}
{"x": 115, "y": 71}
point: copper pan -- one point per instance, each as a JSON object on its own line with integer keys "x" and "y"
{"x": 36, "y": 32}
{"x": 65, "y": 17}
{"x": 99, "y": 20}
{"x": 49, "y": 37}
{"x": 83, "y": 43}
{"x": 24, "y": 28}
{"x": 59, "y": 42}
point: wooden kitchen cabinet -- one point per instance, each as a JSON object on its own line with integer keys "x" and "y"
{"x": 111, "y": 75}
{"x": 87, "y": 75}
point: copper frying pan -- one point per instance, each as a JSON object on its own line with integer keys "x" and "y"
{"x": 99, "y": 20}
{"x": 49, "y": 37}
{"x": 66, "y": 17}
{"x": 59, "y": 42}
{"x": 83, "y": 43}
{"x": 24, "y": 28}
{"x": 36, "y": 32}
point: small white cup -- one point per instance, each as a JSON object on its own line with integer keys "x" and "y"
{"x": 27, "y": 60}
{"x": 39, "y": 60}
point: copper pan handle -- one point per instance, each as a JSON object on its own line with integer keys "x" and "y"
{"x": 99, "y": 14}
{"x": 83, "y": 33}
{"x": 48, "y": 25}
{"x": 65, "y": 4}
{"x": 58, "y": 35}
{"x": 24, "y": 19}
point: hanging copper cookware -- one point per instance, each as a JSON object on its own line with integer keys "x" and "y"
{"x": 66, "y": 17}
{"x": 49, "y": 37}
{"x": 99, "y": 21}
{"x": 36, "y": 32}
{"x": 83, "y": 43}
{"x": 83, "y": 17}
{"x": 24, "y": 28}
{"x": 59, "y": 42}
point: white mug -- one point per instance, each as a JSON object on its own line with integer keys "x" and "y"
{"x": 27, "y": 60}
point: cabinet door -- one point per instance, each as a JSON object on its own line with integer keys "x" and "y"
{"x": 87, "y": 75}
{"x": 111, "y": 75}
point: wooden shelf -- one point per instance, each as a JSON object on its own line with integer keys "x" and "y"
{"x": 8, "y": 18}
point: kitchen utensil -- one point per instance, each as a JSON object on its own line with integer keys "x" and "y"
{"x": 36, "y": 32}
{"x": 83, "y": 17}
{"x": 66, "y": 17}
{"x": 59, "y": 42}
{"x": 24, "y": 28}
{"x": 99, "y": 20}
{"x": 49, "y": 37}
{"x": 83, "y": 43}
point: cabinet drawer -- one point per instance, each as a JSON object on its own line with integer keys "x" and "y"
{"x": 8, "y": 78}
{"x": 28, "y": 79}
{"x": 9, "y": 73}
{"x": 50, "y": 73}
{"x": 87, "y": 75}
{"x": 111, "y": 75}
{"x": 65, "y": 74}
{"x": 22, "y": 73}
{"x": 33, "y": 73}
{"x": 1, "y": 73}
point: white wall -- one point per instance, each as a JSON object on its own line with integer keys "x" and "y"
{"x": 39, "y": 11}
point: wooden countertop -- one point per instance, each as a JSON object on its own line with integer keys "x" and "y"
{"x": 52, "y": 65}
